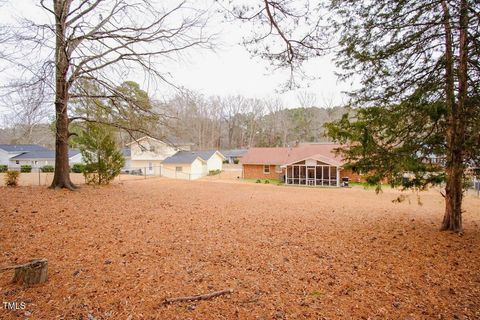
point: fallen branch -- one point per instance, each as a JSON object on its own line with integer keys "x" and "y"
{"x": 198, "y": 296}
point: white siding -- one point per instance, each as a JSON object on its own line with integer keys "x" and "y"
{"x": 215, "y": 162}
{"x": 4, "y": 157}
{"x": 76, "y": 159}
{"x": 35, "y": 163}
{"x": 193, "y": 171}
{"x": 150, "y": 167}
{"x": 198, "y": 169}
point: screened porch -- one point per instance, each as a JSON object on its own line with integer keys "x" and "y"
{"x": 312, "y": 173}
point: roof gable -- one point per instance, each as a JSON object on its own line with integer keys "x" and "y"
{"x": 318, "y": 157}
{"x": 208, "y": 154}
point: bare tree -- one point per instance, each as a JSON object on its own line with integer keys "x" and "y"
{"x": 232, "y": 107}
{"x": 306, "y": 99}
{"x": 27, "y": 113}
{"x": 100, "y": 42}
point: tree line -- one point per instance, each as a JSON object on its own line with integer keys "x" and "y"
{"x": 209, "y": 122}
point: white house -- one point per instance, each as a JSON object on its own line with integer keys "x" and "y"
{"x": 191, "y": 165}
{"x": 8, "y": 151}
{"x": 38, "y": 159}
{"x": 214, "y": 159}
{"x": 147, "y": 153}
{"x": 184, "y": 165}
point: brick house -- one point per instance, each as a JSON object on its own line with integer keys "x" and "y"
{"x": 313, "y": 164}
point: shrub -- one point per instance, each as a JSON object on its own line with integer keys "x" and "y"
{"x": 103, "y": 161}
{"x": 236, "y": 161}
{"x": 267, "y": 181}
{"x": 47, "y": 168}
{"x": 78, "y": 168}
{"x": 214, "y": 172}
{"x": 11, "y": 178}
{"x": 25, "y": 168}
{"x": 258, "y": 181}
{"x": 3, "y": 168}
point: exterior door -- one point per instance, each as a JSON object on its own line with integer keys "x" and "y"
{"x": 311, "y": 176}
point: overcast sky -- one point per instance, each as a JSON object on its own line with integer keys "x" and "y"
{"x": 230, "y": 69}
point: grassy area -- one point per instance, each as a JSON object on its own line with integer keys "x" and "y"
{"x": 264, "y": 181}
{"x": 367, "y": 186}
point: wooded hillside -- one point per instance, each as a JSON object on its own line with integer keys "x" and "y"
{"x": 214, "y": 122}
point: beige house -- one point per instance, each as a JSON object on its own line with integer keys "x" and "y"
{"x": 147, "y": 154}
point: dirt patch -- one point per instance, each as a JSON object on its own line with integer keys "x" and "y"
{"x": 117, "y": 252}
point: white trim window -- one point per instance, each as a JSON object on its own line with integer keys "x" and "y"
{"x": 266, "y": 169}
{"x": 178, "y": 169}
{"x": 278, "y": 169}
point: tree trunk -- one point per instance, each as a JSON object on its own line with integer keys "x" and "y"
{"x": 61, "y": 178}
{"x": 452, "y": 220}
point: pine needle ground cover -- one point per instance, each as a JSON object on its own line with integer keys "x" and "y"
{"x": 117, "y": 252}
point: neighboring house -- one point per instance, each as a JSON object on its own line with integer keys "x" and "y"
{"x": 214, "y": 159}
{"x": 192, "y": 165}
{"x": 8, "y": 151}
{"x": 184, "y": 165}
{"x": 233, "y": 155}
{"x": 147, "y": 153}
{"x": 38, "y": 159}
{"x": 306, "y": 164}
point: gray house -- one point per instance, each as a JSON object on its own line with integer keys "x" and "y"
{"x": 9, "y": 151}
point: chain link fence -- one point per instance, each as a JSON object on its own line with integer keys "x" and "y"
{"x": 229, "y": 172}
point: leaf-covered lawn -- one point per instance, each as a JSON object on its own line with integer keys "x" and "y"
{"x": 288, "y": 253}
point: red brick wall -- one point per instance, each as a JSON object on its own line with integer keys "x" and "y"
{"x": 353, "y": 177}
{"x": 255, "y": 171}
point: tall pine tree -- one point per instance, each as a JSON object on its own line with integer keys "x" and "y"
{"x": 420, "y": 69}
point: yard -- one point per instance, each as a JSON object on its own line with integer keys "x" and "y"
{"x": 117, "y": 252}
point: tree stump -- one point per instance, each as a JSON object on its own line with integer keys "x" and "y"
{"x": 33, "y": 272}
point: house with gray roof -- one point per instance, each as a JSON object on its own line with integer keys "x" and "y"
{"x": 8, "y": 151}
{"x": 192, "y": 165}
{"x": 146, "y": 154}
{"x": 40, "y": 158}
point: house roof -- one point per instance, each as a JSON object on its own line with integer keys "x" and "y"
{"x": 48, "y": 154}
{"x": 184, "y": 157}
{"x": 281, "y": 156}
{"x": 234, "y": 152}
{"x": 207, "y": 154}
{"x": 22, "y": 147}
